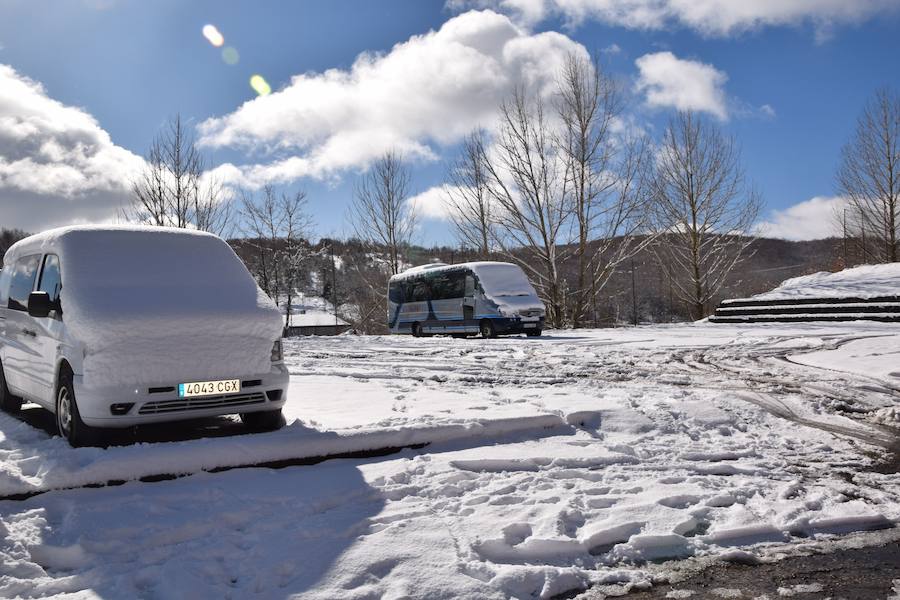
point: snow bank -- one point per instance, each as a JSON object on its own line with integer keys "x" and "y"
{"x": 22, "y": 449}
{"x": 161, "y": 305}
{"x": 868, "y": 281}
{"x": 308, "y": 317}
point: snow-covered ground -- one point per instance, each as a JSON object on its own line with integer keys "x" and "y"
{"x": 554, "y": 464}
{"x": 310, "y": 311}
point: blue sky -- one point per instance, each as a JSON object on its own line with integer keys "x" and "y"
{"x": 787, "y": 84}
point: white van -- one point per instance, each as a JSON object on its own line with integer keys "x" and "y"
{"x": 118, "y": 326}
{"x": 490, "y": 298}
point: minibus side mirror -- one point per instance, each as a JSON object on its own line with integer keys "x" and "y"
{"x": 39, "y": 304}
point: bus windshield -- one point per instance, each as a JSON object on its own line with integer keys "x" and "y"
{"x": 504, "y": 281}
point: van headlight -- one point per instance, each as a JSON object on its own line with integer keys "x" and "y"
{"x": 277, "y": 352}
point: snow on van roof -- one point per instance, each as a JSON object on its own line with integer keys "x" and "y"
{"x": 42, "y": 242}
{"x": 431, "y": 267}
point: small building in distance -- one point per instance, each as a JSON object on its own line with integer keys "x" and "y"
{"x": 312, "y": 316}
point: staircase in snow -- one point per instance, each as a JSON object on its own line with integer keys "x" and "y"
{"x": 750, "y": 310}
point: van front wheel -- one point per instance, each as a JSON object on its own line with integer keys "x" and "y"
{"x": 68, "y": 419}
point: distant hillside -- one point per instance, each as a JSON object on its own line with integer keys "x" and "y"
{"x": 772, "y": 261}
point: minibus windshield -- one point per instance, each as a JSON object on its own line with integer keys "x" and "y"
{"x": 504, "y": 281}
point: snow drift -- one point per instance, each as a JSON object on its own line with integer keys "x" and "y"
{"x": 867, "y": 281}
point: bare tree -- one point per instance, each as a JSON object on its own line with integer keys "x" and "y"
{"x": 151, "y": 194}
{"x": 527, "y": 184}
{"x": 278, "y": 225}
{"x": 173, "y": 191}
{"x": 869, "y": 176}
{"x": 296, "y": 229}
{"x": 702, "y": 207}
{"x": 380, "y": 213}
{"x": 469, "y": 198}
{"x": 607, "y": 178}
{"x": 365, "y": 283}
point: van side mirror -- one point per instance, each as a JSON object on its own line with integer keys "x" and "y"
{"x": 39, "y": 304}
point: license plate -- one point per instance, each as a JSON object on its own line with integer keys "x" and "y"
{"x": 209, "y": 388}
{"x": 530, "y": 324}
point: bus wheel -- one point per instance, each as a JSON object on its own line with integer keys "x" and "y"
{"x": 416, "y": 330}
{"x": 487, "y": 329}
{"x": 533, "y": 333}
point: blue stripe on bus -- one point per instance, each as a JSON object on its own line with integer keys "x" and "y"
{"x": 452, "y": 319}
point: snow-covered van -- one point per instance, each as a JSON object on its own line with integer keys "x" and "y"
{"x": 490, "y": 298}
{"x": 117, "y": 326}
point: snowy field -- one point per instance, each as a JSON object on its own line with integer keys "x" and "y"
{"x": 551, "y": 465}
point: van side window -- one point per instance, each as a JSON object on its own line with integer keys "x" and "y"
{"x": 51, "y": 280}
{"x": 22, "y": 283}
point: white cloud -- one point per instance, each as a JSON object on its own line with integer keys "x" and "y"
{"x": 669, "y": 81}
{"x": 57, "y": 165}
{"x": 811, "y": 219}
{"x": 432, "y": 203}
{"x": 612, "y": 49}
{"x": 709, "y": 17}
{"x": 430, "y": 90}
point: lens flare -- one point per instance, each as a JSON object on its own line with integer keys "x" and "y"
{"x": 260, "y": 85}
{"x": 213, "y": 36}
{"x": 230, "y": 56}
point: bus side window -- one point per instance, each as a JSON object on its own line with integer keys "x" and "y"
{"x": 456, "y": 284}
{"x": 470, "y": 286}
{"x": 420, "y": 291}
{"x": 443, "y": 287}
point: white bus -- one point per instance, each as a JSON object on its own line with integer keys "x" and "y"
{"x": 487, "y": 298}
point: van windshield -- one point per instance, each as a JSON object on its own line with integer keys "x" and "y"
{"x": 504, "y": 281}
{"x": 145, "y": 273}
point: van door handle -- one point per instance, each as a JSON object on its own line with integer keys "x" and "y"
{"x": 29, "y": 332}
